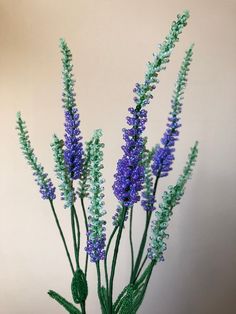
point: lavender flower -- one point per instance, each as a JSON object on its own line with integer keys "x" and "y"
{"x": 129, "y": 177}
{"x": 164, "y": 154}
{"x": 170, "y": 199}
{"x": 96, "y": 226}
{"x": 66, "y": 187}
{"x": 47, "y": 189}
{"x": 73, "y": 152}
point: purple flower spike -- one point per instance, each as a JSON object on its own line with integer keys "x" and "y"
{"x": 129, "y": 177}
{"x": 73, "y": 145}
{"x": 164, "y": 155}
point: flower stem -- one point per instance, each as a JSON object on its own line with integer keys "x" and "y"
{"x": 76, "y": 243}
{"x": 115, "y": 255}
{"x": 131, "y": 240}
{"x": 62, "y": 236}
{"x": 102, "y": 301}
{"x": 86, "y": 226}
{"x": 145, "y": 286}
{"x": 141, "y": 248}
{"x": 83, "y": 308}
{"x": 144, "y": 238}
{"x": 141, "y": 267}
{"x": 105, "y": 260}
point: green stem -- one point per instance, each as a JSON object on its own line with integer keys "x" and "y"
{"x": 99, "y": 275}
{"x": 86, "y": 226}
{"x": 145, "y": 286}
{"x": 144, "y": 238}
{"x": 105, "y": 260}
{"x": 141, "y": 267}
{"x": 83, "y": 308}
{"x": 141, "y": 248}
{"x": 131, "y": 240}
{"x": 102, "y": 302}
{"x": 62, "y": 236}
{"x": 78, "y": 228}
{"x": 144, "y": 275}
{"x": 84, "y": 213}
{"x": 114, "y": 260}
{"x": 76, "y": 251}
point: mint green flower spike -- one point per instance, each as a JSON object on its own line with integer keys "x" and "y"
{"x": 65, "y": 186}
{"x": 96, "y": 227}
{"x": 170, "y": 199}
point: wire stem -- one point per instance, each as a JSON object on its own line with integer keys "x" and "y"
{"x": 141, "y": 248}
{"x": 86, "y": 226}
{"x": 62, "y": 236}
{"x": 76, "y": 243}
{"x": 83, "y": 308}
{"x": 144, "y": 238}
{"x": 105, "y": 260}
{"x": 131, "y": 240}
{"x": 141, "y": 267}
{"x": 115, "y": 255}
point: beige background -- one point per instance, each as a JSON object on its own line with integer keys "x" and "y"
{"x": 111, "y": 43}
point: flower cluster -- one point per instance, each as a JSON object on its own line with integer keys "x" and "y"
{"x": 148, "y": 195}
{"x": 129, "y": 177}
{"x": 73, "y": 152}
{"x": 164, "y": 154}
{"x": 47, "y": 189}
{"x": 66, "y": 187}
{"x": 96, "y": 226}
{"x": 170, "y": 199}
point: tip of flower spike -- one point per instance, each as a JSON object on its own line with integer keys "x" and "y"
{"x": 192, "y": 45}
{"x": 62, "y": 43}
{"x": 98, "y": 133}
{"x": 185, "y": 14}
{"x": 18, "y": 115}
{"x": 55, "y": 139}
{"x": 189, "y": 51}
{"x": 195, "y": 147}
{"x": 18, "y": 119}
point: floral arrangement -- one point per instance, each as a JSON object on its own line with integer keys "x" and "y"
{"x": 78, "y": 168}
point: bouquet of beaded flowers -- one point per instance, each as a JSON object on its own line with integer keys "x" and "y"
{"x": 78, "y": 169}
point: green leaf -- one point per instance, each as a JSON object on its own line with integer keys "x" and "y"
{"x": 79, "y": 287}
{"x": 127, "y": 301}
{"x": 70, "y": 308}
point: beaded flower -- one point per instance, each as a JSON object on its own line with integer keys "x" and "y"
{"x": 96, "y": 236}
{"x": 73, "y": 151}
{"x": 164, "y": 154}
{"x": 46, "y": 187}
{"x": 170, "y": 199}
